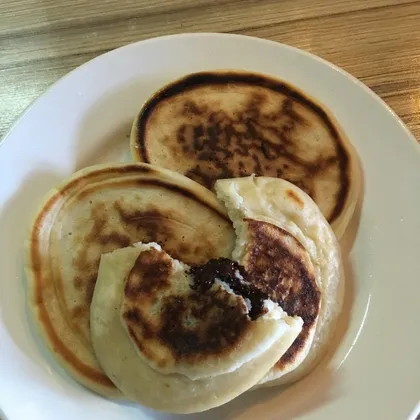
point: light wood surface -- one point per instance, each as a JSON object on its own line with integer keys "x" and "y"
{"x": 378, "y": 41}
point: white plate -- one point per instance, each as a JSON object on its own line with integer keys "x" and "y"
{"x": 85, "y": 118}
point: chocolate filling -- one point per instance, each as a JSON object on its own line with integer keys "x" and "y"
{"x": 233, "y": 274}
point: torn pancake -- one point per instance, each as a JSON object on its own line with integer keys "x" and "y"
{"x": 283, "y": 269}
{"x": 98, "y": 210}
{"x": 286, "y": 244}
{"x": 217, "y": 125}
{"x": 166, "y": 332}
{"x": 181, "y": 327}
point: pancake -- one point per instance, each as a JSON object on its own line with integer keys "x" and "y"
{"x": 96, "y": 211}
{"x": 194, "y": 331}
{"x": 290, "y": 250}
{"x": 283, "y": 270}
{"x": 166, "y": 332}
{"x": 217, "y": 125}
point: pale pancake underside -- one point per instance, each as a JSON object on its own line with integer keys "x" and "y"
{"x": 98, "y": 210}
{"x": 138, "y": 381}
{"x": 281, "y": 203}
{"x": 218, "y": 125}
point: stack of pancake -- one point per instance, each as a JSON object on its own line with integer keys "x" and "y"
{"x": 211, "y": 265}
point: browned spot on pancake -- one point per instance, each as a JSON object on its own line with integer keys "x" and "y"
{"x": 79, "y": 311}
{"x": 114, "y": 238}
{"x": 190, "y": 107}
{"x": 125, "y": 169}
{"x": 291, "y": 194}
{"x": 218, "y": 324}
{"x": 183, "y": 248}
{"x": 154, "y": 224}
{"x": 198, "y": 249}
{"x": 78, "y": 282}
{"x": 224, "y": 325}
{"x": 297, "y": 346}
{"x": 90, "y": 283}
{"x": 253, "y": 140}
{"x": 36, "y": 267}
{"x": 87, "y": 266}
{"x": 150, "y": 273}
{"x": 284, "y": 272}
{"x": 135, "y": 321}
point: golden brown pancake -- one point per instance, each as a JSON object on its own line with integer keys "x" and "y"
{"x": 283, "y": 238}
{"x": 282, "y": 268}
{"x": 195, "y": 325}
{"x": 216, "y": 125}
{"x": 98, "y": 210}
{"x": 205, "y": 330}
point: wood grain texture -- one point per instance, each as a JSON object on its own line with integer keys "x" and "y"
{"x": 378, "y": 41}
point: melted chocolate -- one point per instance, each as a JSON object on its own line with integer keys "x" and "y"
{"x": 227, "y": 271}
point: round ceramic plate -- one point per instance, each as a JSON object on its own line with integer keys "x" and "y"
{"x": 372, "y": 371}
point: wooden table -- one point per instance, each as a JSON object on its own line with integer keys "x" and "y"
{"x": 378, "y": 41}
